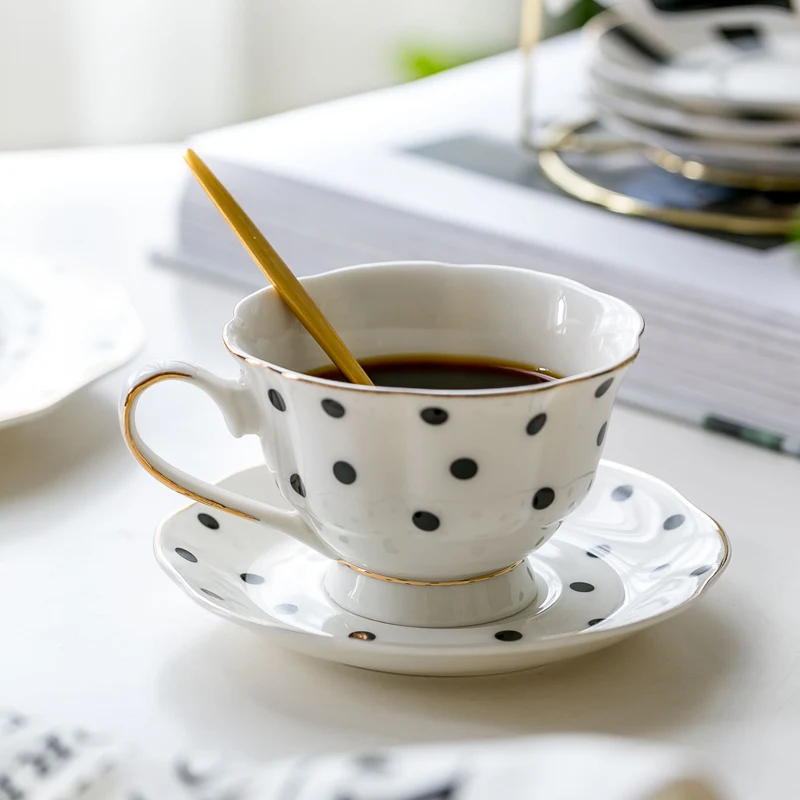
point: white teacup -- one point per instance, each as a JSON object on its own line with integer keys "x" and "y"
{"x": 369, "y": 470}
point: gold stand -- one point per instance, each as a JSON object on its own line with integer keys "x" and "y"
{"x": 530, "y": 33}
{"x": 583, "y": 188}
{"x": 695, "y": 171}
{"x": 558, "y": 139}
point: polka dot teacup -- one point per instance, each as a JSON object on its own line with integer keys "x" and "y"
{"x": 419, "y": 486}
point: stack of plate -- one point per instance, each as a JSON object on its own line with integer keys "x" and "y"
{"x": 720, "y": 87}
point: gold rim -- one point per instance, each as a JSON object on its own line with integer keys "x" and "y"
{"x": 301, "y": 377}
{"x": 406, "y": 582}
{"x": 577, "y": 185}
{"x": 726, "y": 548}
{"x": 127, "y": 421}
{"x": 440, "y": 393}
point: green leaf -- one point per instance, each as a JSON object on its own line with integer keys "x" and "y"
{"x": 420, "y": 61}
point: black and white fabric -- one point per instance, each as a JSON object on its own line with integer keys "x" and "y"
{"x": 41, "y": 762}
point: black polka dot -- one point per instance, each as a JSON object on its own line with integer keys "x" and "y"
{"x": 601, "y": 434}
{"x": 696, "y": 573}
{"x": 208, "y": 521}
{"x": 675, "y": 521}
{"x": 596, "y": 621}
{"x": 296, "y": 482}
{"x": 603, "y": 387}
{"x": 581, "y": 586}
{"x": 371, "y": 762}
{"x": 622, "y": 493}
{"x": 186, "y": 554}
{"x": 364, "y": 636}
{"x": 536, "y": 424}
{"x": 508, "y": 636}
{"x": 276, "y": 400}
{"x": 425, "y": 521}
{"x": 540, "y": 541}
{"x": 332, "y": 408}
{"x": 344, "y": 472}
{"x": 210, "y": 593}
{"x": 660, "y": 568}
{"x": 252, "y": 578}
{"x": 434, "y": 416}
{"x": 599, "y": 551}
{"x": 463, "y": 469}
{"x": 191, "y": 771}
{"x": 286, "y": 608}
{"x": 543, "y": 498}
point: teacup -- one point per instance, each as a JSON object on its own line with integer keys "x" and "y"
{"x": 366, "y": 470}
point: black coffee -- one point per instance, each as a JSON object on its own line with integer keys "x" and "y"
{"x": 444, "y": 372}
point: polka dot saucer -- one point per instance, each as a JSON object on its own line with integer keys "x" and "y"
{"x": 635, "y": 553}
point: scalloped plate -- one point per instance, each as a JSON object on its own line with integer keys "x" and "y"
{"x": 62, "y": 326}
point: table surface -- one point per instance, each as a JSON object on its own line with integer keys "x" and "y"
{"x": 93, "y": 632}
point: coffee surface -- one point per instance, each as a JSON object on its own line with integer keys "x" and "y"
{"x": 444, "y": 372}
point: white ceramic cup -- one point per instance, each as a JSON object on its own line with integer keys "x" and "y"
{"x": 427, "y": 502}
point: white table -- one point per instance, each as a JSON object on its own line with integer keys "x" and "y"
{"x": 92, "y": 632}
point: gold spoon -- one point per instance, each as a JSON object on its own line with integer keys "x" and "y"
{"x": 291, "y": 291}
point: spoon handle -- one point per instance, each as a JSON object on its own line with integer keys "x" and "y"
{"x": 291, "y": 291}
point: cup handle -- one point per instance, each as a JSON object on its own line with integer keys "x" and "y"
{"x": 236, "y": 403}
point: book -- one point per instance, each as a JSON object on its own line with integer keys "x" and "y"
{"x": 434, "y": 170}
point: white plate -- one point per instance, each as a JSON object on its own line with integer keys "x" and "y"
{"x": 62, "y": 326}
{"x": 715, "y": 75}
{"x": 634, "y": 554}
{"x": 758, "y": 159}
{"x": 650, "y": 111}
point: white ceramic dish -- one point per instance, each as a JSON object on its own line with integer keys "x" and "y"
{"x": 702, "y": 74}
{"x": 62, "y": 326}
{"x": 651, "y": 111}
{"x": 634, "y": 554}
{"x": 758, "y": 159}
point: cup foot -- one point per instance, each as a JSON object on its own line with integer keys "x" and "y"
{"x": 437, "y": 606}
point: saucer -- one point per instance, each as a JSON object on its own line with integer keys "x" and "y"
{"x": 635, "y": 553}
{"x": 746, "y": 156}
{"x": 717, "y": 72}
{"x": 658, "y": 114}
{"x": 62, "y": 326}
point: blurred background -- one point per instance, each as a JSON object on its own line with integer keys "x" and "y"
{"x": 98, "y": 72}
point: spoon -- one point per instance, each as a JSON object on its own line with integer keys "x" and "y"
{"x": 291, "y": 291}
